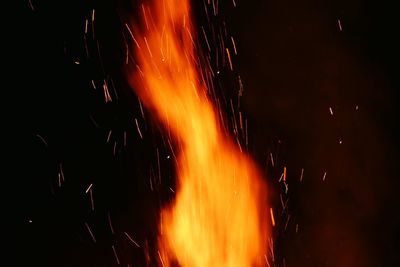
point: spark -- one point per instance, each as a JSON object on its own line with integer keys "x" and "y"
{"x": 110, "y": 223}
{"x": 234, "y": 3}
{"x": 241, "y": 123}
{"x": 127, "y": 54}
{"x": 94, "y": 85}
{"x": 205, "y": 10}
{"x": 62, "y": 173}
{"x": 86, "y": 46}
{"x": 90, "y": 232}
{"x": 77, "y": 62}
{"x": 59, "y": 180}
{"x": 247, "y": 135}
{"x": 141, "y": 108}
{"x": 235, "y": 130}
{"x": 266, "y": 260}
{"x": 234, "y": 45}
{"x": 115, "y": 148}
{"x": 113, "y": 87}
{"x": 133, "y": 37}
{"x": 138, "y": 129}
{"x": 284, "y": 174}
{"x": 31, "y": 5}
{"x": 99, "y": 54}
{"x": 140, "y": 71}
{"x": 158, "y": 166}
{"x": 271, "y": 248}
{"x": 159, "y": 255}
{"x": 272, "y": 216}
{"x": 145, "y": 17}
{"x": 115, "y": 254}
{"x": 272, "y": 159}
{"x": 324, "y": 177}
{"x": 331, "y": 111}
{"x": 229, "y": 58}
{"x": 108, "y": 136}
{"x": 148, "y": 48}
{"x": 339, "y": 24}
{"x": 205, "y": 37}
{"x": 280, "y": 178}
{"x": 280, "y": 197}
{"x": 301, "y": 174}
{"x": 91, "y": 199}
{"x": 93, "y": 14}
{"x": 107, "y": 95}
{"x": 42, "y": 139}
{"x": 86, "y": 25}
{"x": 162, "y": 45}
{"x": 284, "y": 204}
{"x": 286, "y": 187}
{"x": 287, "y": 221}
{"x": 224, "y": 28}
{"x": 131, "y": 239}
{"x": 172, "y": 149}
{"x": 215, "y": 7}
{"x": 241, "y": 87}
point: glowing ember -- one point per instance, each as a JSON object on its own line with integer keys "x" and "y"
{"x": 219, "y": 215}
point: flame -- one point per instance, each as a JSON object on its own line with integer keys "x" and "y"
{"x": 218, "y": 216}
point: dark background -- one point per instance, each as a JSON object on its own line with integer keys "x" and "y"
{"x": 295, "y": 64}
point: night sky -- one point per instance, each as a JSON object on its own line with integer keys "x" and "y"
{"x": 321, "y": 89}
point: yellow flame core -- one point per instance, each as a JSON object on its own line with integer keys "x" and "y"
{"x": 218, "y": 218}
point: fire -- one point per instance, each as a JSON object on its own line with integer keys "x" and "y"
{"x": 219, "y": 214}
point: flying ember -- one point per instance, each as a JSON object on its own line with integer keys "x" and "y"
{"x": 219, "y": 216}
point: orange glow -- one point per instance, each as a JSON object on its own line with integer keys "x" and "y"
{"x": 219, "y": 215}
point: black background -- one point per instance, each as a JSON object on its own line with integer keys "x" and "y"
{"x": 295, "y": 64}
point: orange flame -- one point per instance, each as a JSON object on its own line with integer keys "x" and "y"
{"x": 218, "y": 217}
